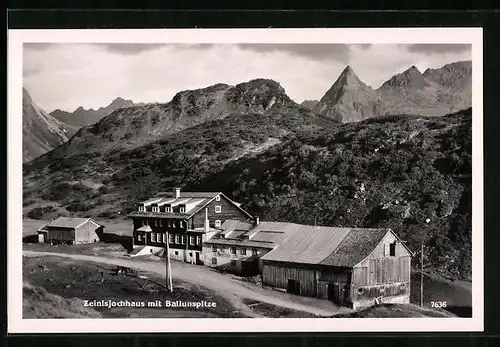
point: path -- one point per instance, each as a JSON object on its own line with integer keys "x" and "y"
{"x": 206, "y": 277}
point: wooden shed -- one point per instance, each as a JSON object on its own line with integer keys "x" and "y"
{"x": 70, "y": 231}
{"x": 353, "y": 267}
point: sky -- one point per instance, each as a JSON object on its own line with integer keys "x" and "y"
{"x": 66, "y": 76}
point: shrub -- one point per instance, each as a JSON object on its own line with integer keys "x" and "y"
{"x": 39, "y": 212}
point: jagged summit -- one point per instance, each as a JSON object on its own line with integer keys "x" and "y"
{"x": 456, "y": 76}
{"x": 409, "y": 80}
{"x": 259, "y": 92}
{"x": 348, "y": 100}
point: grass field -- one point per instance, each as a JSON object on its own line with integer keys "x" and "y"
{"x": 274, "y": 311}
{"x": 58, "y": 288}
{"x": 458, "y": 296}
{"x": 396, "y": 311}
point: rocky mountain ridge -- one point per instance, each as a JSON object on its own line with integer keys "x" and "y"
{"x": 436, "y": 92}
{"x": 41, "y": 131}
{"x": 83, "y": 117}
{"x": 138, "y": 125}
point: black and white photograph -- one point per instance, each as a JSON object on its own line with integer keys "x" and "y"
{"x": 278, "y": 180}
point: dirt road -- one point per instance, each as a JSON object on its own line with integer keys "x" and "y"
{"x": 224, "y": 285}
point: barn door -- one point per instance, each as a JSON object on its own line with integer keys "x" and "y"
{"x": 338, "y": 292}
{"x": 293, "y": 287}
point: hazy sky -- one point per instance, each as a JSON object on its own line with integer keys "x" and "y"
{"x": 67, "y": 76}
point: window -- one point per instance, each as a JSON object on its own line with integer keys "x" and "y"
{"x": 154, "y": 208}
{"x": 217, "y": 198}
{"x": 191, "y": 240}
{"x": 214, "y": 249}
{"x": 233, "y": 262}
{"x": 164, "y": 238}
{"x": 182, "y": 209}
{"x": 218, "y": 209}
{"x": 169, "y": 223}
{"x": 254, "y": 251}
{"x": 139, "y": 237}
{"x": 243, "y": 251}
{"x": 183, "y": 239}
{"x": 153, "y": 237}
{"x": 217, "y": 223}
{"x": 141, "y": 208}
{"x": 392, "y": 249}
{"x": 158, "y": 237}
{"x": 190, "y": 254}
{"x": 233, "y": 250}
{"x": 171, "y": 238}
{"x": 156, "y": 222}
{"x": 214, "y": 261}
{"x": 168, "y": 209}
{"x": 181, "y": 224}
{"x": 176, "y": 253}
{"x": 198, "y": 240}
{"x": 177, "y": 239}
{"x": 360, "y": 290}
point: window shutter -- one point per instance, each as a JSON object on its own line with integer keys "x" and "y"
{"x": 386, "y": 250}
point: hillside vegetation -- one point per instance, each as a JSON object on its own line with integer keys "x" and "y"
{"x": 409, "y": 173}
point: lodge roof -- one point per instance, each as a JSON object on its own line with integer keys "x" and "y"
{"x": 206, "y": 195}
{"x": 197, "y": 200}
{"x": 170, "y": 215}
{"x": 240, "y": 243}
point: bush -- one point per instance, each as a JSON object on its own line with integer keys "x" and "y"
{"x": 103, "y": 190}
{"x": 39, "y": 212}
{"x": 79, "y": 206}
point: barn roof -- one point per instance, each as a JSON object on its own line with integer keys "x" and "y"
{"x": 306, "y": 244}
{"x": 67, "y": 222}
{"x": 355, "y": 247}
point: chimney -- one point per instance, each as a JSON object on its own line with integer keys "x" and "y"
{"x": 177, "y": 192}
{"x": 207, "y": 225}
{"x": 257, "y": 220}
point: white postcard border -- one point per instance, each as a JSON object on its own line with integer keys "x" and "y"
{"x": 16, "y": 38}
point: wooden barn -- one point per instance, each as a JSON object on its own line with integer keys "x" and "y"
{"x": 353, "y": 267}
{"x": 70, "y": 231}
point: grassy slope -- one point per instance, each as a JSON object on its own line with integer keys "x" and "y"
{"x": 396, "y": 311}
{"x": 65, "y": 283}
{"x": 38, "y": 303}
{"x": 95, "y": 184}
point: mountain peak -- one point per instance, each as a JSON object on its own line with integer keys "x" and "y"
{"x": 259, "y": 91}
{"x": 348, "y": 70}
{"x": 408, "y": 80}
{"x": 455, "y": 75}
{"x": 348, "y": 100}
